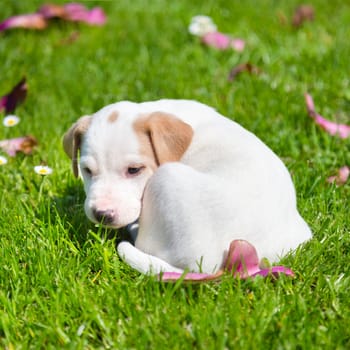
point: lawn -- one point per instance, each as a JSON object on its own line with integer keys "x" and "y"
{"x": 62, "y": 284}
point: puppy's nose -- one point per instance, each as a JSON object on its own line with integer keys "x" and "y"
{"x": 104, "y": 216}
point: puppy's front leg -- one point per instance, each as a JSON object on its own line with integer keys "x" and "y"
{"x": 142, "y": 262}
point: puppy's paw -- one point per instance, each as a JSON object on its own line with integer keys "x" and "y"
{"x": 142, "y": 262}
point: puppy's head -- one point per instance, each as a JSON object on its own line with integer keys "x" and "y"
{"x": 120, "y": 148}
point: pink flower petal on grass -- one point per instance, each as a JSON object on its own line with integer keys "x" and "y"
{"x": 52, "y": 11}
{"x": 341, "y": 130}
{"x": 16, "y": 96}
{"x": 341, "y": 177}
{"x": 238, "y": 44}
{"x": 29, "y": 21}
{"x": 244, "y": 67}
{"x": 274, "y": 271}
{"x": 222, "y": 41}
{"x": 302, "y": 14}
{"x": 71, "y": 12}
{"x": 79, "y": 13}
{"x": 23, "y": 144}
{"x": 242, "y": 261}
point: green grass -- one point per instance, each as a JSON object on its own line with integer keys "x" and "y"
{"x": 62, "y": 284}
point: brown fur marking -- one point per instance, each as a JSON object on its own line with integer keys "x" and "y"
{"x": 72, "y": 140}
{"x": 113, "y": 117}
{"x": 163, "y": 137}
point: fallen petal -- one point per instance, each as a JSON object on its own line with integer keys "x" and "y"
{"x": 96, "y": 16}
{"x": 302, "y": 14}
{"x": 274, "y": 271}
{"x": 341, "y": 130}
{"x": 23, "y": 144}
{"x": 218, "y": 40}
{"x": 52, "y": 11}
{"x": 344, "y": 173}
{"x": 75, "y": 8}
{"x": 244, "y": 67}
{"x": 29, "y": 21}
{"x": 238, "y": 44}
{"x": 222, "y": 41}
{"x": 341, "y": 177}
{"x": 242, "y": 261}
{"x": 310, "y": 105}
{"x": 79, "y": 13}
{"x": 16, "y": 96}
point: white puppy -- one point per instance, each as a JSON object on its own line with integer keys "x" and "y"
{"x": 194, "y": 180}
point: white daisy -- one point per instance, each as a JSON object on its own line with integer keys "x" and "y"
{"x": 3, "y": 160}
{"x": 201, "y": 25}
{"x": 43, "y": 170}
{"x": 11, "y": 120}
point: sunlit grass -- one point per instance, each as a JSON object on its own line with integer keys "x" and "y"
{"x": 62, "y": 284}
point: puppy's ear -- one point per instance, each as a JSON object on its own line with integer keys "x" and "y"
{"x": 169, "y": 136}
{"x": 72, "y": 140}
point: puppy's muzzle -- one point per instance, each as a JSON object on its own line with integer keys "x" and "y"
{"x": 104, "y": 217}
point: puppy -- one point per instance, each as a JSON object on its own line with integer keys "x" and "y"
{"x": 193, "y": 179}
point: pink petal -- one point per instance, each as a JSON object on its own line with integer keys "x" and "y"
{"x": 310, "y": 105}
{"x": 16, "y": 96}
{"x": 242, "y": 260}
{"x": 217, "y": 40}
{"x": 341, "y": 130}
{"x": 29, "y": 21}
{"x": 341, "y": 177}
{"x": 52, "y": 10}
{"x": 243, "y": 67}
{"x": 303, "y": 13}
{"x": 344, "y": 173}
{"x": 79, "y": 13}
{"x": 238, "y": 44}
{"x": 274, "y": 271}
{"x": 75, "y": 7}
{"x": 222, "y": 41}
{"x": 23, "y": 144}
{"x": 96, "y": 16}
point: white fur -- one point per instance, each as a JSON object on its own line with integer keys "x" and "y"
{"x": 228, "y": 185}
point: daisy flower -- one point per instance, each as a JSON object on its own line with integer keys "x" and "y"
{"x": 11, "y": 120}
{"x": 206, "y": 30}
{"x": 3, "y": 160}
{"x": 201, "y": 25}
{"x": 43, "y": 170}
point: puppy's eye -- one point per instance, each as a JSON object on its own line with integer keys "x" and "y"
{"x": 135, "y": 170}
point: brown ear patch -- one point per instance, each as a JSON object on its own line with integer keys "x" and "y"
{"x": 113, "y": 117}
{"x": 163, "y": 136}
{"x": 72, "y": 140}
